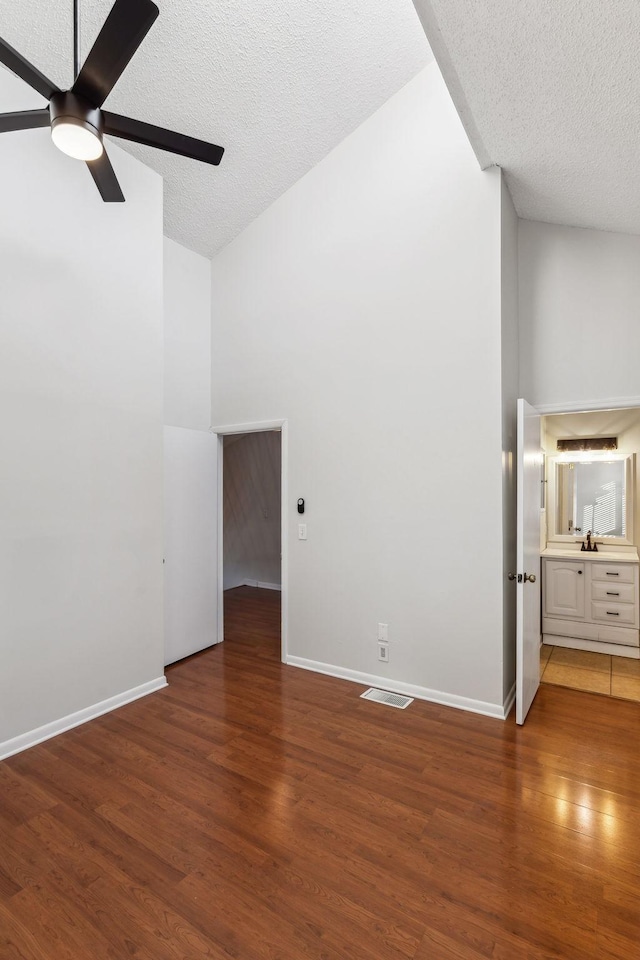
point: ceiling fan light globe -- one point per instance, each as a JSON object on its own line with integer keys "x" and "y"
{"x": 77, "y": 139}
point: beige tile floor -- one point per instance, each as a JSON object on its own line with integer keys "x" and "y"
{"x": 594, "y": 672}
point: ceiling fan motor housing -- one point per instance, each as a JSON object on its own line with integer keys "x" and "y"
{"x": 69, "y": 108}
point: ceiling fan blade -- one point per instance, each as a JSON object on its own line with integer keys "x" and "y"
{"x": 24, "y": 120}
{"x": 151, "y": 136}
{"x": 122, "y": 33}
{"x": 26, "y": 71}
{"x": 105, "y": 179}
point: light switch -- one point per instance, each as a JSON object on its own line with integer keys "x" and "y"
{"x": 383, "y": 632}
{"x": 302, "y": 531}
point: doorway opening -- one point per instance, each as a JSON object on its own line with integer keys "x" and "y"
{"x": 574, "y": 607}
{"x": 252, "y": 561}
{"x": 583, "y": 662}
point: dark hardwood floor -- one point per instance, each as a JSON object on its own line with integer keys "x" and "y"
{"x": 261, "y": 812}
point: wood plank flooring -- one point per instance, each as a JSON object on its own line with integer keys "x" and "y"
{"x": 261, "y": 812}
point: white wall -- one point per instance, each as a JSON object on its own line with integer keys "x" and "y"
{"x": 364, "y": 306}
{"x": 252, "y": 508}
{"x": 187, "y": 338}
{"x": 509, "y": 292}
{"x": 579, "y": 314}
{"x": 81, "y": 428}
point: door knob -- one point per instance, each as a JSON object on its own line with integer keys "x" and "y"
{"x": 531, "y": 577}
{"x": 515, "y": 576}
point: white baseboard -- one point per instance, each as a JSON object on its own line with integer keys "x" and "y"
{"x": 262, "y": 584}
{"x": 496, "y": 710}
{"x": 232, "y": 584}
{"x": 30, "y": 739}
{"x": 509, "y": 702}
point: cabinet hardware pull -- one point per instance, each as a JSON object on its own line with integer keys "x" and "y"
{"x": 612, "y": 593}
{"x": 610, "y": 613}
{"x": 612, "y": 574}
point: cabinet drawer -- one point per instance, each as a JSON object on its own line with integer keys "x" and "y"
{"x": 623, "y": 613}
{"x": 613, "y": 592}
{"x": 613, "y": 572}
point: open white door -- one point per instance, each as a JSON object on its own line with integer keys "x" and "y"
{"x": 190, "y": 541}
{"x": 529, "y": 477}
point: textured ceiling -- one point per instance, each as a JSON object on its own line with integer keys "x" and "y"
{"x": 277, "y": 83}
{"x": 550, "y": 91}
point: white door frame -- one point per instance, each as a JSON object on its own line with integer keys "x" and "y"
{"x": 258, "y": 427}
{"x": 586, "y": 406}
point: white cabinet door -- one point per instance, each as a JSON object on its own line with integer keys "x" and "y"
{"x": 564, "y": 589}
{"x": 190, "y": 541}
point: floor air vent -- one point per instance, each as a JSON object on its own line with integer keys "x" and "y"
{"x": 383, "y": 696}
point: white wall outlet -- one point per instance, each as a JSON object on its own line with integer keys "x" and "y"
{"x": 302, "y": 531}
{"x": 383, "y": 652}
{"x": 383, "y": 632}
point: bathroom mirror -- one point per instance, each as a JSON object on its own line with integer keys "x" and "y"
{"x": 591, "y": 491}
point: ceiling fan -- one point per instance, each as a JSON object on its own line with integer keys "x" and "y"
{"x": 76, "y": 117}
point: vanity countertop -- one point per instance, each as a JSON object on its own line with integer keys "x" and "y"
{"x": 628, "y": 555}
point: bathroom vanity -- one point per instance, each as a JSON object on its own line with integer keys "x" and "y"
{"x": 590, "y": 600}
{"x": 590, "y": 597}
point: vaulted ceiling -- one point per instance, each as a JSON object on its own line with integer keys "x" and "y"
{"x": 277, "y": 83}
{"x": 550, "y": 91}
